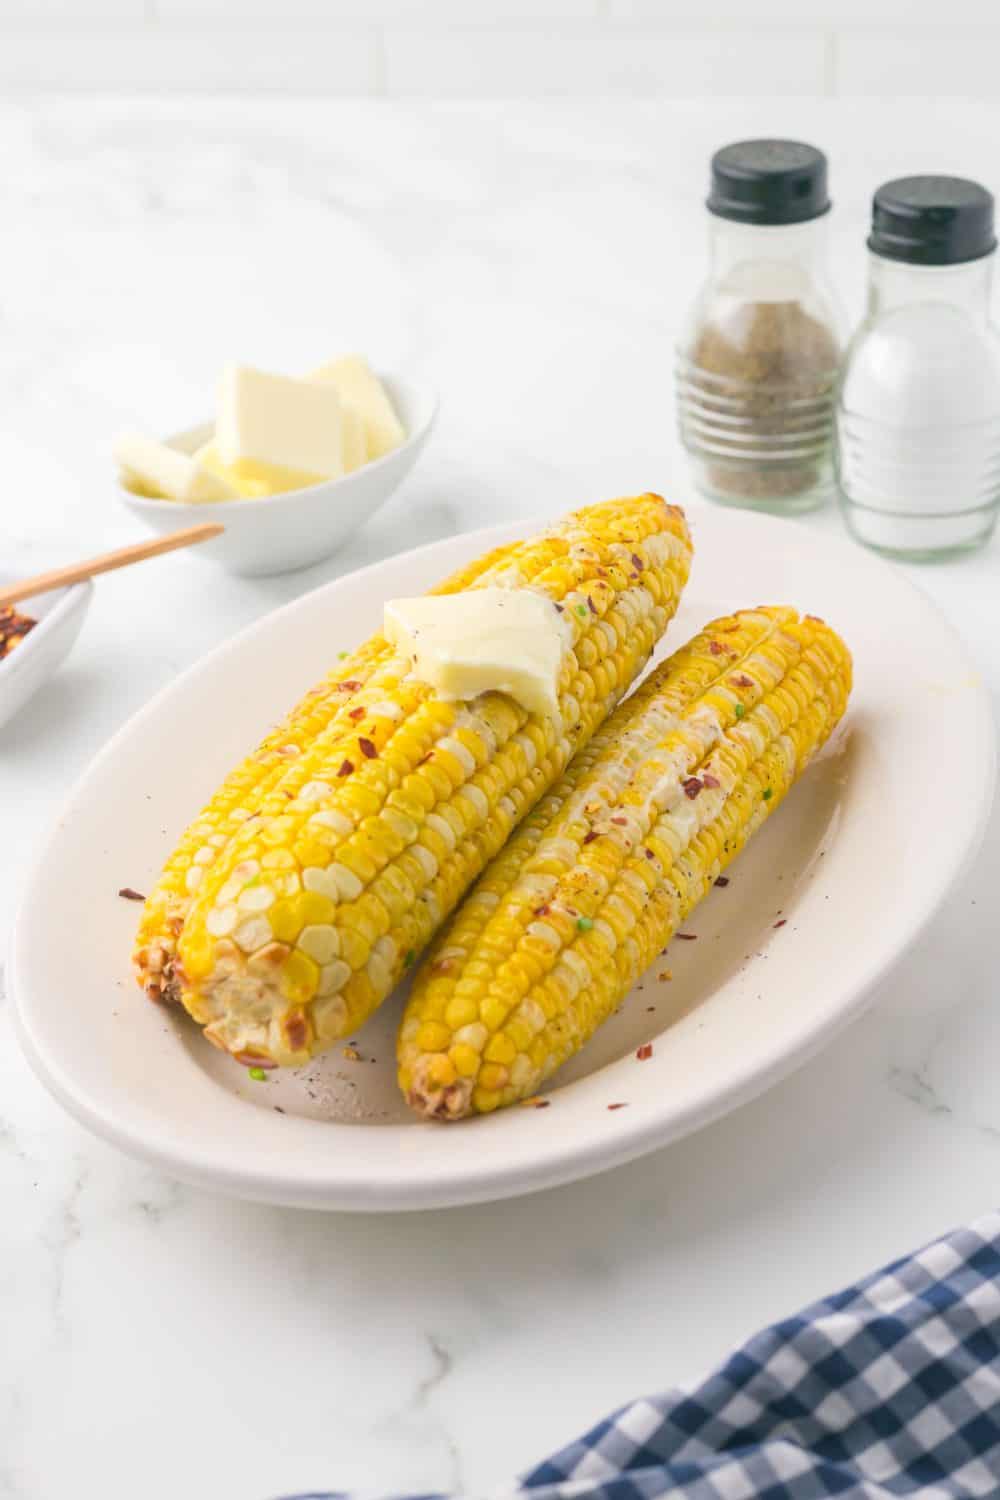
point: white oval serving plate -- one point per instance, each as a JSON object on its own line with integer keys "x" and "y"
{"x": 851, "y": 868}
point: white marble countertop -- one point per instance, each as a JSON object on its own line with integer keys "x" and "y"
{"x": 533, "y": 261}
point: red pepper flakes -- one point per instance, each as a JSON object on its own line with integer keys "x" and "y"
{"x": 622, "y": 1105}
{"x": 637, "y": 562}
{"x": 559, "y": 608}
{"x": 782, "y": 922}
{"x": 589, "y": 838}
{"x": 356, "y": 713}
{"x": 541, "y": 1103}
{"x": 741, "y": 680}
{"x": 692, "y": 787}
{"x": 350, "y": 685}
{"x": 128, "y": 894}
{"x": 13, "y": 628}
{"x": 710, "y": 781}
{"x": 425, "y": 758}
{"x": 541, "y": 911}
{"x": 620, "y": 822}
{"x": 591, "y": 605}
{"x": 685, "y": 937}
{"x": 649, "y": 854}
{"x": 645, "y": 1052}
{"x": 716, "y": 648}
{"x": 346, "y": 768}
{"x": 722, "y": 881}
{"x": 367, "y": 748}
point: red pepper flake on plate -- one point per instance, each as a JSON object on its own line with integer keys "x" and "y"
{"x": 128, "y": 894}
{"x": 622, "y": 1105}
{"x": 722, "y": 881}
{"x": 645, "y": 1052}
{"x": 781, "y": 923}
{"x": 685, "y": 937}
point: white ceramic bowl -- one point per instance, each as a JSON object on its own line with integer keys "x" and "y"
{"x": 59, "y": 615}
{"x": 284, "y": 532}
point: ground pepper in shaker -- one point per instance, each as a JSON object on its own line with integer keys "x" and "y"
{"x": 757, "y": 364}
{"x": 918, "y": 416}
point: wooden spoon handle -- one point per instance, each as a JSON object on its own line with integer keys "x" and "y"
{"x": 122, "y": 557}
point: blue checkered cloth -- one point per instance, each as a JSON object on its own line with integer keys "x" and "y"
{"x": 890, "y": 1388}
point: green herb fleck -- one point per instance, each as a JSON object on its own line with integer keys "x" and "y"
{"x": 768, "y": 794}
{"x": 407, "y": 961}
{"x": 740, "y": 710}
{"x": 257, "y": 1074}
{"x": 581, "y": 611}
{"x": 342, "y": 655}
{"x": 254, "y": 881}
{"x": 584, "y": 924}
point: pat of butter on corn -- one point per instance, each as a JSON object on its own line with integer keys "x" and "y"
{"x": 485, "y": 640}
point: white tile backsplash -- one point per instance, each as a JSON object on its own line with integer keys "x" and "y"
{"x": 932, "y": 66}
{"x": 540, "y": 48}
{"x": 595, "y": 61}
{"x": 185, "y": 61}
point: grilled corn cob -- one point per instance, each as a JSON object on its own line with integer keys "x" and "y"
{"x": 240, "y": 794}
{"x": 318, "y": 905}
{"x": 602, "y": 874}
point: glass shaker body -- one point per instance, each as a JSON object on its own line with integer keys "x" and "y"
{"x": 757, "y": 366}
{"x": 918, "y": 415}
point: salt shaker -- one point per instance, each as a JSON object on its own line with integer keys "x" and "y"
{"x": 918, "y": 417}
{"x": 757, "y": 365}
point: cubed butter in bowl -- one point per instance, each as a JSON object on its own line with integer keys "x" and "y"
{"x": 305, "y": 473}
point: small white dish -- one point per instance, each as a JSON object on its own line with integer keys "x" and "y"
{"x": 828, "y": 895}
{"x": 280, "y": 533}
{"x": 59, "y": 614}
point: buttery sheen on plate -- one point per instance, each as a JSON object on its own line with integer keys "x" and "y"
{"x": 273, "y": 433}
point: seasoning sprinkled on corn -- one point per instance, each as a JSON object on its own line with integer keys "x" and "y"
{"x": 573, "y": 911}
{"x": 356, "y": 871}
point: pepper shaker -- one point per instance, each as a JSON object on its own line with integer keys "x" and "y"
{"x": 757, "y": 365}
{"x": 918, "y": 415}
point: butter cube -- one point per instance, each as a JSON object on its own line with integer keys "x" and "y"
{"x": 358, "y": 386}
{"x": 353, "y": 431}
{"x": 488, "y": 640}
{"x": 157, "y": 470}
{"x": 274, "y": 419}
{"x": 253, "y": 480}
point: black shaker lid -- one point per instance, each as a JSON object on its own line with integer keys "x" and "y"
{"x": 932, "y": 221}
{"x": 769, "y": 182}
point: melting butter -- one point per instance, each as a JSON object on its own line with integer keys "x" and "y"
{"x": 484, "y": 641}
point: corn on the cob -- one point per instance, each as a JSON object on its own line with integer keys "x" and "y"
{"x": 240, "y": 794}
{"x": 317, "y": 906}
{"x": 602, "y": 874}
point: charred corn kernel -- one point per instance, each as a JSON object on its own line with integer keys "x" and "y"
{"x": 240, "y": 795}
{"x": 468, "y": 771}
{"x": 598, "y": 879}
